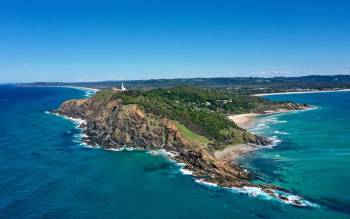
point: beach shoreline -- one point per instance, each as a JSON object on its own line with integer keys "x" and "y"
{"x": 246, "y": 121}
{"x": 65, "y": 86}
{"x": 234, "y": 152}
{"x": 300, "y": 92}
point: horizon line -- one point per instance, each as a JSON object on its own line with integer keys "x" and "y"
{"x": 180, "y": 78}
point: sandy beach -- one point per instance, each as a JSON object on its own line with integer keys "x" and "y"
{"x": 301, "y": 92}
{"x": 233, "y": 152}
{"x": 243, "y": 120}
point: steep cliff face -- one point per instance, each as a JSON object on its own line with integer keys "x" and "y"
{"x": 110, "y": 124}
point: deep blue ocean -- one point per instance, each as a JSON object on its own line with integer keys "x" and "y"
{"x": 45, "y": 172}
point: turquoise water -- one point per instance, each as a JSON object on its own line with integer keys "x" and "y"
{"x": 46, "y": 173}
{"x": 314, "y": 155}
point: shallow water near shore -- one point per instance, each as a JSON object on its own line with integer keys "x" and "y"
{"x": 45, "y": 172}
{"x": 312, "y": 151}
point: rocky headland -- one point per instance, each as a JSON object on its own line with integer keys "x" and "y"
{"x": 113, "y": 123}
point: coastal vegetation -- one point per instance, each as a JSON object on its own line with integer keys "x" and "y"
{"x": 200, "y": 114}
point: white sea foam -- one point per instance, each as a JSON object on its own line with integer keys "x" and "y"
{"x": 262, "y": 125}
{"x": 255, "y": 130}
{"x": 183, "y": 168}
{"x": 85, "y": 145}
{"x": 124, "y": 148}
{"x": 275, "y": 140}
{"x": 279, "y": 121}
{"x": 257, "y": 192}
{"x": 252, "y": 191}
{"x": 269, "y": 119}
{"x": 76, "y": 121}
{"x": 203, "y": 182}
{"x": 170, "y": 156}
{"x": 88, "y": 91}
{"x": 80, "y": 137}
{"x": 162, "y": 152}
{"x": 280, "y": 133}
{"x": 274, "y": 120}
{"x": 83, "y": 135}
{"x": 276, "y": 195}
{"x": 293, "y": 199}
{"x": 186, "y": 171}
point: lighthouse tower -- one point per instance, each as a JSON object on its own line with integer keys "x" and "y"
{"x": 123, "y": 88}
{"x": 117, "y": 90}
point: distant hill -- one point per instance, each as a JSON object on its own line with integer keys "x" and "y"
{"x": 242, "y": 84}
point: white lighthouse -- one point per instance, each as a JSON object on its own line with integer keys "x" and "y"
{"x": 123, "y": 88}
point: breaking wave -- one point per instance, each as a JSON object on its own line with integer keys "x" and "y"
{"x": 257, "y": 192}
{"x": 281, "y": 133}
{"x": 203, "y": 182}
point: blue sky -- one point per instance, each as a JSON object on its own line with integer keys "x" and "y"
{"x": 124, "y": 40}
